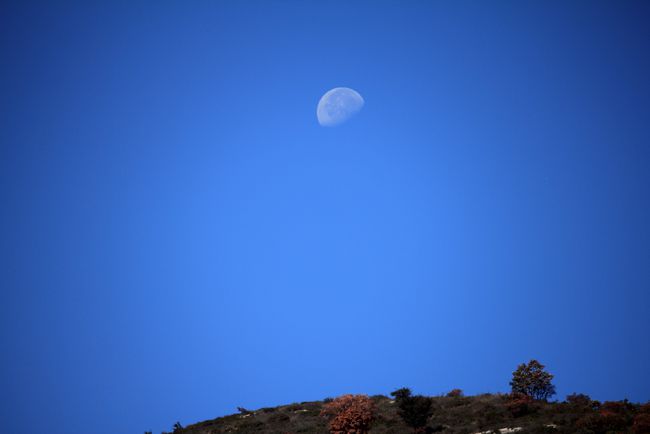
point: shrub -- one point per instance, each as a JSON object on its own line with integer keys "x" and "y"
{"x": 402, "y": 393}
{"x": 641, "y": 424}
{"x": 624, "y": 409}
{"x": 455, "y": 393}
{"x": 611, "y": 421}
{"x": 603, "y": 422}
{"x": 278, "y": 418}
{"x": 579, "y": 400}
{"x": 414, "y": 410}
{"x": 618, "y": 407}
{"x": 531, "y": 379}
{"x": 349, "y": 414}
{"x": 519, "y": 404}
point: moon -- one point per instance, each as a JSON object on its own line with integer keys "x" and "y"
{"x": 338, "y": 105}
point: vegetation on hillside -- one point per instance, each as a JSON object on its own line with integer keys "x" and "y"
{"x": 525, "y": 410}
{"x": 532, "y": 380}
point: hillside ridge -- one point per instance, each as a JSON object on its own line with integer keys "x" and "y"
{"x": 451, "y": 414}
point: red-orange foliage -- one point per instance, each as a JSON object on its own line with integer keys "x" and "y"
{"x": 349, "y": 414}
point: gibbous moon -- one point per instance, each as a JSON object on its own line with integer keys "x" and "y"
{"x": 338, "y": 105}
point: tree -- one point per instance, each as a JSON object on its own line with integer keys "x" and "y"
{"x": 531, "y": 379}
{"x": 349, "y": 414}
{"x": 414, "y": 410}
{"x": 400, "y": 394}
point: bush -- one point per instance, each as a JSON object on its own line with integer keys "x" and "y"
{"x": 414, "y": 410}
{"x": 455, "y": 393}
{"x": 531, "y": 379}
{"x": 519, "y": 404}
{"x": 402, "y": 393}
{"x": 278, "y": 418}
{"x": 579, "y": 400}
{"x": 349, "y": 414}
{"x": 641, "y": 424}
{"x": 618, "y": 407}
{"x": 624, "y": 409}
{"x": 604, "y": 421}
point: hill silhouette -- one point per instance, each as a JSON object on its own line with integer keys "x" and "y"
{"x": 451, "y": 414}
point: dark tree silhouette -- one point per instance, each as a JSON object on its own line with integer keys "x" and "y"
{"x": 402, "y": 393}
{"x": 414, "y": 410}
{"x": 531, "y": 379}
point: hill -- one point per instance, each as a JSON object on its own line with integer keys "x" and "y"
{"x": 488, "y": 413}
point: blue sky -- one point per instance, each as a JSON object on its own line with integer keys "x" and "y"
{"x": 181, "y": 237}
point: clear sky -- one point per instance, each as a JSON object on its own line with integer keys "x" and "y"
{"x": 179, "y": 236}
